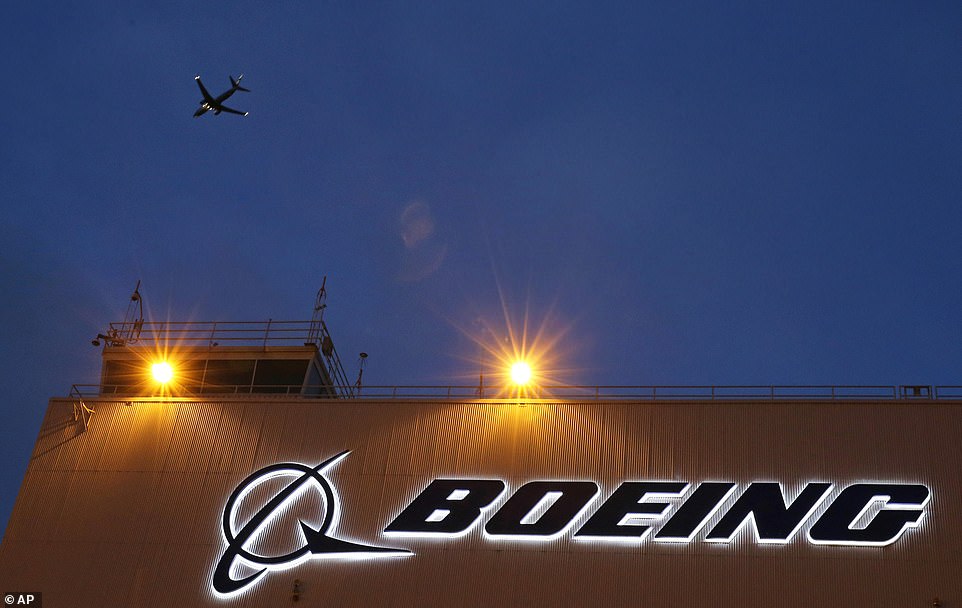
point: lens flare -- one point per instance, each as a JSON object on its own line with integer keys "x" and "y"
{"x": 162, "y": 372}
{"x": 520, "y": 372}
{"x": 518, "y": 355}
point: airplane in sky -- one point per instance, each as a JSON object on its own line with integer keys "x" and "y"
{"x": 216, "y": 103}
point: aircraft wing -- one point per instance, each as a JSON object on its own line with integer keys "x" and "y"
{"x": 231, "y": 110}
{"x": 203, "y": 90}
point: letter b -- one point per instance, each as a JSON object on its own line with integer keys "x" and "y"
{"x": 447, "y": 506}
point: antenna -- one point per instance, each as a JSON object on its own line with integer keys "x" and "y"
{"x": 317, "y": 319}
{"x": 129, "y": 330}
{"x": 134, "y": 319}
{"x": 361, "y": 360}
{"x": 318, "y": 336}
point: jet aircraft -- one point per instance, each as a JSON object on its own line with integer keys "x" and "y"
{"x": 217, "y": 103}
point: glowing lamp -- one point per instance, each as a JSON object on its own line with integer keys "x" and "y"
{"x": 162, "y": 372}
{"x": 521, "y": 373}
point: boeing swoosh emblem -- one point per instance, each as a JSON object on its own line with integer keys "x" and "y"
{"x": 317, "y": 542}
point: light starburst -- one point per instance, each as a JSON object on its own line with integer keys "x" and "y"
{"x": 518, "y": 357}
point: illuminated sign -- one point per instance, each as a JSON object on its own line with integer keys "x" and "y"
{"x": 317, "y": 542}
{"x": 860, "y": 514}
{"x": 543, "y": 510}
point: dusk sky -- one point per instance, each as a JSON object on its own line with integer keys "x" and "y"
{"x": 672, "y": 193}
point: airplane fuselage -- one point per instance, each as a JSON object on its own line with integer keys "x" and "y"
{"x": 216, "y": 104}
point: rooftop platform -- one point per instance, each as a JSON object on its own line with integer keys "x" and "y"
{"x": 216, "y": 357}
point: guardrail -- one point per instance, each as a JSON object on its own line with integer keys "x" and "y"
{"x": 570, "y": 392}
{"x": 213, "y": 333}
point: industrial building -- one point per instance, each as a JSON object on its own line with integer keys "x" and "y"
{"x": 258, "y": 474}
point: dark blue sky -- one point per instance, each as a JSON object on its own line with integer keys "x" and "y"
{"x": 689, "y": 193}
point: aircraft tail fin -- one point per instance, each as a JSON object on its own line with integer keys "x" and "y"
{"x": 236, "y": 84}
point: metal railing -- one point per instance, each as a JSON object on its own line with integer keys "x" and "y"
{"x": 226, "y": 333}
{"x": 571, "y": 392}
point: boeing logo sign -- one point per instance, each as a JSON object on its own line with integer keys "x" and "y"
{"x": 317, "y": 542}
{"x": 861, "y": 514}
{"x": 857, "y": 514}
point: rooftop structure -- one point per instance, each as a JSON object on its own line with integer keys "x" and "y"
{"x": 217, "y": 357}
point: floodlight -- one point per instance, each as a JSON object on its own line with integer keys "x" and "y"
{"x": 520, "y": 372}
{"x": 162, "y": 372}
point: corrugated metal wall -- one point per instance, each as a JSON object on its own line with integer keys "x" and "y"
{"x": 129, "y": 513}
